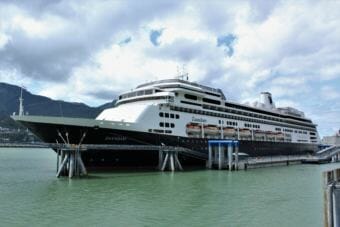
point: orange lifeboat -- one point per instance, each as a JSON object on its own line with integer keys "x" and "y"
{"x": 229, "y": 131}
{"x": 270, "y": 135}
{"x": 245, "y": 132}
{"x": 193, "y": 128}
{"x": 211, "y": 129}
{"x": 280, "y": 136}
{"x": 259, "y": 133}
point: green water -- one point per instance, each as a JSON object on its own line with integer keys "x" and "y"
{"x": 31, "y": 195}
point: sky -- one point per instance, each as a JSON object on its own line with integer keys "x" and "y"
{"x": 90, "y": 51}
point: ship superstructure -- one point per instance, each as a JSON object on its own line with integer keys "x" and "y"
{"x": 182, "y": 108}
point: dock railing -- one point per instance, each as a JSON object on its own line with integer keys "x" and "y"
{"x": 332, "y": 198}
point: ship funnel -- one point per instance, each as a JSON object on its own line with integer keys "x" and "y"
{"x": 266, "y": 100}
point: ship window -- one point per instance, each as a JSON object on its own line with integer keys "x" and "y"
{"x": 158, "y": 130}
{"x": 168, "y": 131}
{"x": 212, "y": 101}
{"x": 167, "y": 125}
{"x": 177, "y": 116}
{"x": 148, "y": 92}
{"x": 167, "y": 115}
{"x": 172, "y": 116}
{"x": 161, "y": 114}
{"x": 161, "y": 124}
{"x": 192, "y": 97}
{"x": 172, "y": 125}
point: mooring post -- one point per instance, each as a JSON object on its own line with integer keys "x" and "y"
{"x": 62, "y": 158}
{"x": 82, "y": 166}
{"x": 165, "y": 161}
{"x": 220, "y": 156}
{"x": 160, "y": 159}
{"x": 62, "y": 166}
{"x": 71, "y": 167}
{"x": 172, "y": 163}
{"x": 230, "y": 155}
{"x": 177, "y": 161}
{"x": 58, "y": 154}
{"x": 215, "y": 149}
{"x": 236, "y": 145}
{"x": 210, "y": 157}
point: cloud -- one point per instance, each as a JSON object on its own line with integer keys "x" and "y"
{"x": 93, "y": 51}
{"x": 47, "y": 43}
{"x": 329, "y": 93}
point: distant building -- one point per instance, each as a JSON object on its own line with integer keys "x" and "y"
{"x": 332, "y": 140}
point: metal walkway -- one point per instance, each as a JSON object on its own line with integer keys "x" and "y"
{"x": 328, "y": 154}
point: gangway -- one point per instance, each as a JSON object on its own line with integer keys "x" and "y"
{"x": 329, "y": 154}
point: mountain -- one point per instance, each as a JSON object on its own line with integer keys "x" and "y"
{"x": 41, "y": 105}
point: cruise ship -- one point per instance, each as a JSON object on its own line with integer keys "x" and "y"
{"x": 177, "y": 112}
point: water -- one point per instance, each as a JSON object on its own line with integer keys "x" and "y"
{"x": 30, "y": 194}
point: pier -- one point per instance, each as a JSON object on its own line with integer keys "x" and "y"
{"x": 223, "y": 154}
{"x": 69, "y": 162}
